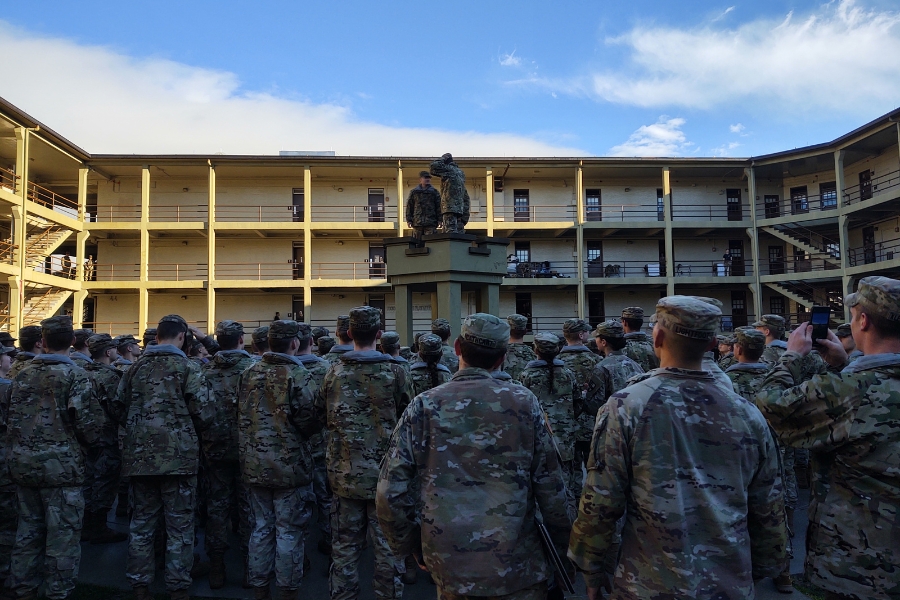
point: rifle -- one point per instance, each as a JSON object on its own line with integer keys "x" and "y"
{"x": 561, "y": 576}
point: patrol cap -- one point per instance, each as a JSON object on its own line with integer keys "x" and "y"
{"x": 7, "y": 350}
{"x": 546, "y": 343}
{"x": 633, "y": 312}
{"x": 325, "y": 344}
{"x": 771, "y": 321}
{"x": 406, "y": 352}
{"x": 751, "y": 339}
{"x": 303, "y": 330}
{"x": 284, "y": 329}
{"x": 440, "y": 327}
{"x": 260, "y": 334}
{"x": 318, "y": 332}
{"x": 343, "y": 323}
{"x": 82, "y": 335}
{"x": 54, "y": 325}
{"x": 714, "y": 301}
{"x": 485, "y": 330}
{"x": 447, "y": 158}
{"x": 124, "y": 340}
{"x": 365, "y": 318}
{"x": 30, "y": 334}
{"x": 229, "y": 328}
{"x": 7, "y": 339}
{"x": 725, "y": 339}
{"x": 390, "y": 338}
{"x": 101, "y": 342}
{"x": 425, "y": 174}
{"x": 174, "y": 319}
{"x": 844, "y": 331}
{"x": 878, "y": 295}
{"x": 430, "y": 344}
{"x": 689, "y": 317}
{"x": 610, "y": 329}
{"x": 517, "y": 322}
{"x": 149, "y": 336}
{"x": 575, "y": 326}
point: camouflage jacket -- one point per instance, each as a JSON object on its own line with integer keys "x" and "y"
{"x": 454, "y": 196}
{"x": 122, "y": 364}
{"x": 518, "y": 354}
{"x": 747, "y": 378}
{"x": 698, "y": 470}
{"x": 276, "y": 418}
{"x": 709, "y": 364}
{"x": 80, "y": 359}
{"x": 449, "y": 358}
{"x": 105, "y": 380}
{"x": 220, "y": 441}
{"x": 608, "y": 377}
{"x": 853, "y": 356}
{"x": 420, "y": 377}
{"x": 639, "y": 348}
{"x": 726, "y": 361}
{"x": 359, "y": 402}
{"x": 22, "y": 360}
{"x": 559, "y": 401}
{"x": 486, "y": 461}
{"x": 337, "y": 351}
{"x": 6, "y": 483}
{"x": 581, "y": 361}
{"x": 773, "y": 352}
{"x": 49, "y": 416}
{"x": 163, "y": 400}
{"x": 423, "y": 207}
{"x": 405, "y": 364}
{"x": 317, "y": 368}
{"x": 504, "y": 376}
{"x": 851, "y": 422}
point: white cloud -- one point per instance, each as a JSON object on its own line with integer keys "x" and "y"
{"x": 723, "y": 14}
{"x": 510, "y": 60}
{"x": 836, "y": 58}
{"x": 663, "y": 138}
{"x": 726, "y": 149}
{"x": 108, "y": 102}
{"x": 736, "y": 128}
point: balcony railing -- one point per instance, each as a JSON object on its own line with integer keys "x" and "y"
{"x": 874, "y": 187}
{"x": 260, "y": 214}
{"x": 176, "y": 272}
{"x": 349, "y": 270}
{"x": 9, "y": 180}
{"x": 533, "y": 213}
{"x": 710, "y": 212}
{"x": 52, "y": 200}
{"x": 115, "y": 328}
{"x": 7, "y": 251}
{"x": 555, "y": 269}
{"x": 355, "y": 214}
{"x": 112, "y": 272}
{"x": 260, "y": 271}
{"x": 797, "y": 205}
{"x": 784, "y": 266}
{"x": 623, "y": 212}
{"x": 625, "y": 268}
{"x": 106, "y": 214}
{"x": 713, "y": 268}
{"x": 178, "y": 213}
{"x": 874, "y": 253}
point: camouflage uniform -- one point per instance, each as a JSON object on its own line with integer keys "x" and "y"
{"x": 726, "y": 361}
{"x": 220, "y": 448}
{"x": 78, "y": 357}
{"x": 164, "y": 401}
{"x": 49, "y": 411}
{"x": 423, "y": 208}
{"x": 698, "y": 470}
{"x": 639, "y": 348}
{"x": 359, "y": 402}
{"x": 9, "y": 517}
{"x": 326, "y": 343}
{"x": 454, "y": 196}
{"x": 851, "y": 422}
{"x": 487, "y": 463}
{"x": 27, "y": 337}
{"x": 276, "y": 418}
{"x": 441, "y": 328}
{"x": 420, "y": 376}
{"x": 504, "y": 376}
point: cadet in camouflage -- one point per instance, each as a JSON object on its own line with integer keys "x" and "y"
{"x": 612, "y": 373}
{"x": 219, "y": 442}
{"x": 79, "y": 353}
{"x": 128, "y": 350}
{"x": 428, "y": 372}
{"x": 518, "y": 353}
{"x": 49, "y": 412}
{"x": 747, "y": 373}
{"x": 326, "y": 343}
{"x": 487, "y": 464}
{"x": 639, "y": 346}
{"x": 345, "y": 344}
{"x": 709, "y": 358}
{"x": 845, "y": 334}
{"x": 441, "y": 328}
{"x": 851, "y": 422}
{"x": 9, "y": 516}
{"x": 164, "y": 401}
{"x": 390, "y": 345}
{"x": 423, "y": 207}
{"x": 581, "y": 360}
{"x": 149, "y": 337}
{"x": 726, "y": 351}
{"x": 359, "y": 402}
{"x": 259, "y": 341}
{"x": 276, "y": 418}
{"x": 30, "y": 345}
{"x": 698, "y": 470}
{"x": 772, "y": 326}
{"x": 454, "y": 196}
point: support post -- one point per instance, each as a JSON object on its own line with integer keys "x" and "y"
{"x": 401, "y": 202}
{"x": 489, "y": 300}
{"x": 843, "y": 228}
{"x": 579, "y": 238}
{"x": 211, "y": 252}
{"x": 449, "y": 305}
{"x": 403, "y": 312}
{"x": 81, "y": 238}
{"x": 756, "y": 287}
{"x": 144, "y": 269}
{"x": 307, "y": 245}
{"x": 489, "y": 200}
{"x": 23, "y": 153}
{"x": 669, "y": 242}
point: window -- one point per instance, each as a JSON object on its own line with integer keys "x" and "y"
{"x": 773, "y": 206}
{"x": 523, "y": 307}
{"x": 733, "y": 200}
{"x": 523, "y": 252}
{"x": 660, "y": 205}
{"x": 595, "y": 259}
{"x": 828, "y": 195}
{"x": 776, "y": 305}
{"x": 592, "y": 210}
{"x": 799, "y": 200}
{"x": 521, "y": 206}
{"x": 865, "y": 185}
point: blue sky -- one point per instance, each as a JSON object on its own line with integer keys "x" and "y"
{"x": 478, "y": 78}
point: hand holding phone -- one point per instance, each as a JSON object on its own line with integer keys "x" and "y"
{"x": 821, "y": 316}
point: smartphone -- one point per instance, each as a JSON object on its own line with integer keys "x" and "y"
{"x": 821, "y": 316}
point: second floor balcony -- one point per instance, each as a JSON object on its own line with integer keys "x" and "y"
{"x": 872, "y": 187}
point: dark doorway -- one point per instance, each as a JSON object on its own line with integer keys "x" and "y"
{"x": 297, "y": 205}
{"x": 661, "y": 255}
{"x": 377, "y": 266}
{"x": 378, "y": 302}
{"x": 868, "y": 234}
{"x": 736, "y": 250}
{"x": 739, "y": 309}
{"x": 297, "y": 307}
{"x": 87, "y": 316}
{"x": 799, "y": 200}
{"x": 376, "y": 205}
{"x": 660, "y": 205}
{"x": 595, "y": 259}
{"x": 776, "y": 260}
{"x": 735, "y": 209}
{"x": 592, "y": 206}
{"x": 297, "y": 261}
{"x": 523, "y": 307}
{"x": 596, "y": 308}
{"x": 865, "y": 185}
{"x": 773, "y": 206}
{"x": 521, "y": 206}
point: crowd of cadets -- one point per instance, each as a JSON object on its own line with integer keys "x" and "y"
{"x": 446, "y": 457}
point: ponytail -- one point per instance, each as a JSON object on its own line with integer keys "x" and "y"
{"x": 548, "y": 358}
{"x": 432, "y": 361}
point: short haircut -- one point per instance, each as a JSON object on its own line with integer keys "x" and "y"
{"x": 102, "y": 352}
{"x": 281, "y": 345}
{"x": 304, "y": 343}
{"x": 261, "y": 346}
{"x": 28, "y": 345}
{"x": 228, "y": 341}
{"x": 388, "y": 348}
{"x": 616, "y": 343}
{"x": 684, "y": 346}
{"x": 479, "y": 356}
{"x": 56, "y": 342}
{"x": 632, "y": 323}
{"x": 517, "y": 332}
{"x": 343, "y": 337}
{"x": 884, "y": 327}
{"x": 572, "y": 337}
{"x": 445, "y": 335}
{"x": 365, "y": 337}
{"x": 751, "y": 353}
{"x": 168, "y": 330}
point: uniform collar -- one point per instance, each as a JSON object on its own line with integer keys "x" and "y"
{"x": 873, "y": 361}
{"x": 747, "y": 367}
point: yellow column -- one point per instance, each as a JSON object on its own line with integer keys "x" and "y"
{"x": 489, "y": 200}
{"x": 307, "y": 245}
{"x": 20, "y": 234}
{"x": 579, "y": 236}
{"x": 843, "y": 228}
{"x": 211, "y": 252}
{"x": 143, "y": 296}
{"x": 756, "y": 287}
{"x": 401, "y": 201}
{"x": 80, "y": 241}
{"x": 669, "y": 242}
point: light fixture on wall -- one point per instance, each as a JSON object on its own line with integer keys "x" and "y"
{"x": 339, "y": 243}
{"x": 184, "y": 242}
{"x": 184, "y": 297}
{"x": 184, "y": 189}
{"x": 627, "y": 189}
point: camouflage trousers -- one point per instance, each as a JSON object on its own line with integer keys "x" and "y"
{"x": 574, "y": 478}
{"x": 322, "y": 489}
{"x": 225, "y": 494}
{"x": 47, "y": 541}
{"x": 418, "y": 232}
{"x": 790, "y": 478}
{"x": 103, "y": 466}
{"x": 453, "y": 223}
{"x": 350, "y": 519}
{"x": 537, "y": 591}
{"x": 9, "y": 523}
{"x": 280, "y": 521}
{"x": 170, "y": 497}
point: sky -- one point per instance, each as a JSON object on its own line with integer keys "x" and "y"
{"x": 475, "y": 78}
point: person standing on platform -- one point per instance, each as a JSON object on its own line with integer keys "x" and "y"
{"x": 423, "y": 207}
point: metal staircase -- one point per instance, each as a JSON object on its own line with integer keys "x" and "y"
{"x": 42, "y": 302}
{"x": 41, "y": 243}
{"x": 808, "y": 296}
{"x": 811, "y": 242}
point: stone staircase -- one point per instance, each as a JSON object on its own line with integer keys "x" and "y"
{"x": 41, "y": 243}
{"x": 42, "y": 302}
{"x": 811, "y": 242}
{"x": 807, "y": 296}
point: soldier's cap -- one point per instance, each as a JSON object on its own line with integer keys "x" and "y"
{"x": 714, "y": 301}
{"x": 365, "y": 318}
{"x": 229, "y": 328}
{"x": 517, "y": 322}
{"x": 124, "y": 340}
{"x": 419, "y": 335}
{"x": 174, "y": 319}
{"x": 633, "y": 312}
{"x": 7, "y": 350}
{"x": 260, "y": 334}
{"x": 318, "y": 332}
{"x": 425, "y": 174}
{"x": 750, "y": 339}
{"x": 149, "y": 334}
{"x": 343, "y": 323}
{"x": 485, "y": 330}
{"x": 771, "y": 321}
{"x": 284, "y": 329}
{"x": 101, "y": 342}
{"x": 575, "y": 326}
{"x": 844, "y": 331}
{"x": 406, "y": 352}
{"x": 546, "y": 343}
{"x": 82, "y": 335}
{"x": 390, "y": 338}
{"x": 326, "y": 343}
{"x": 878, "y": 295}
{"x": 440, "y": 326}
{"x": 303, "y": 330}
{"x": 725, "y": 339}
{"x": 430, "y": 344}
{"x": 59, "y": 324}
{"x": 6, "y": 338}
{"x": 689, "y": 317}
{"x": 30, "y": 333}
{"x": 610, "y": 329}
